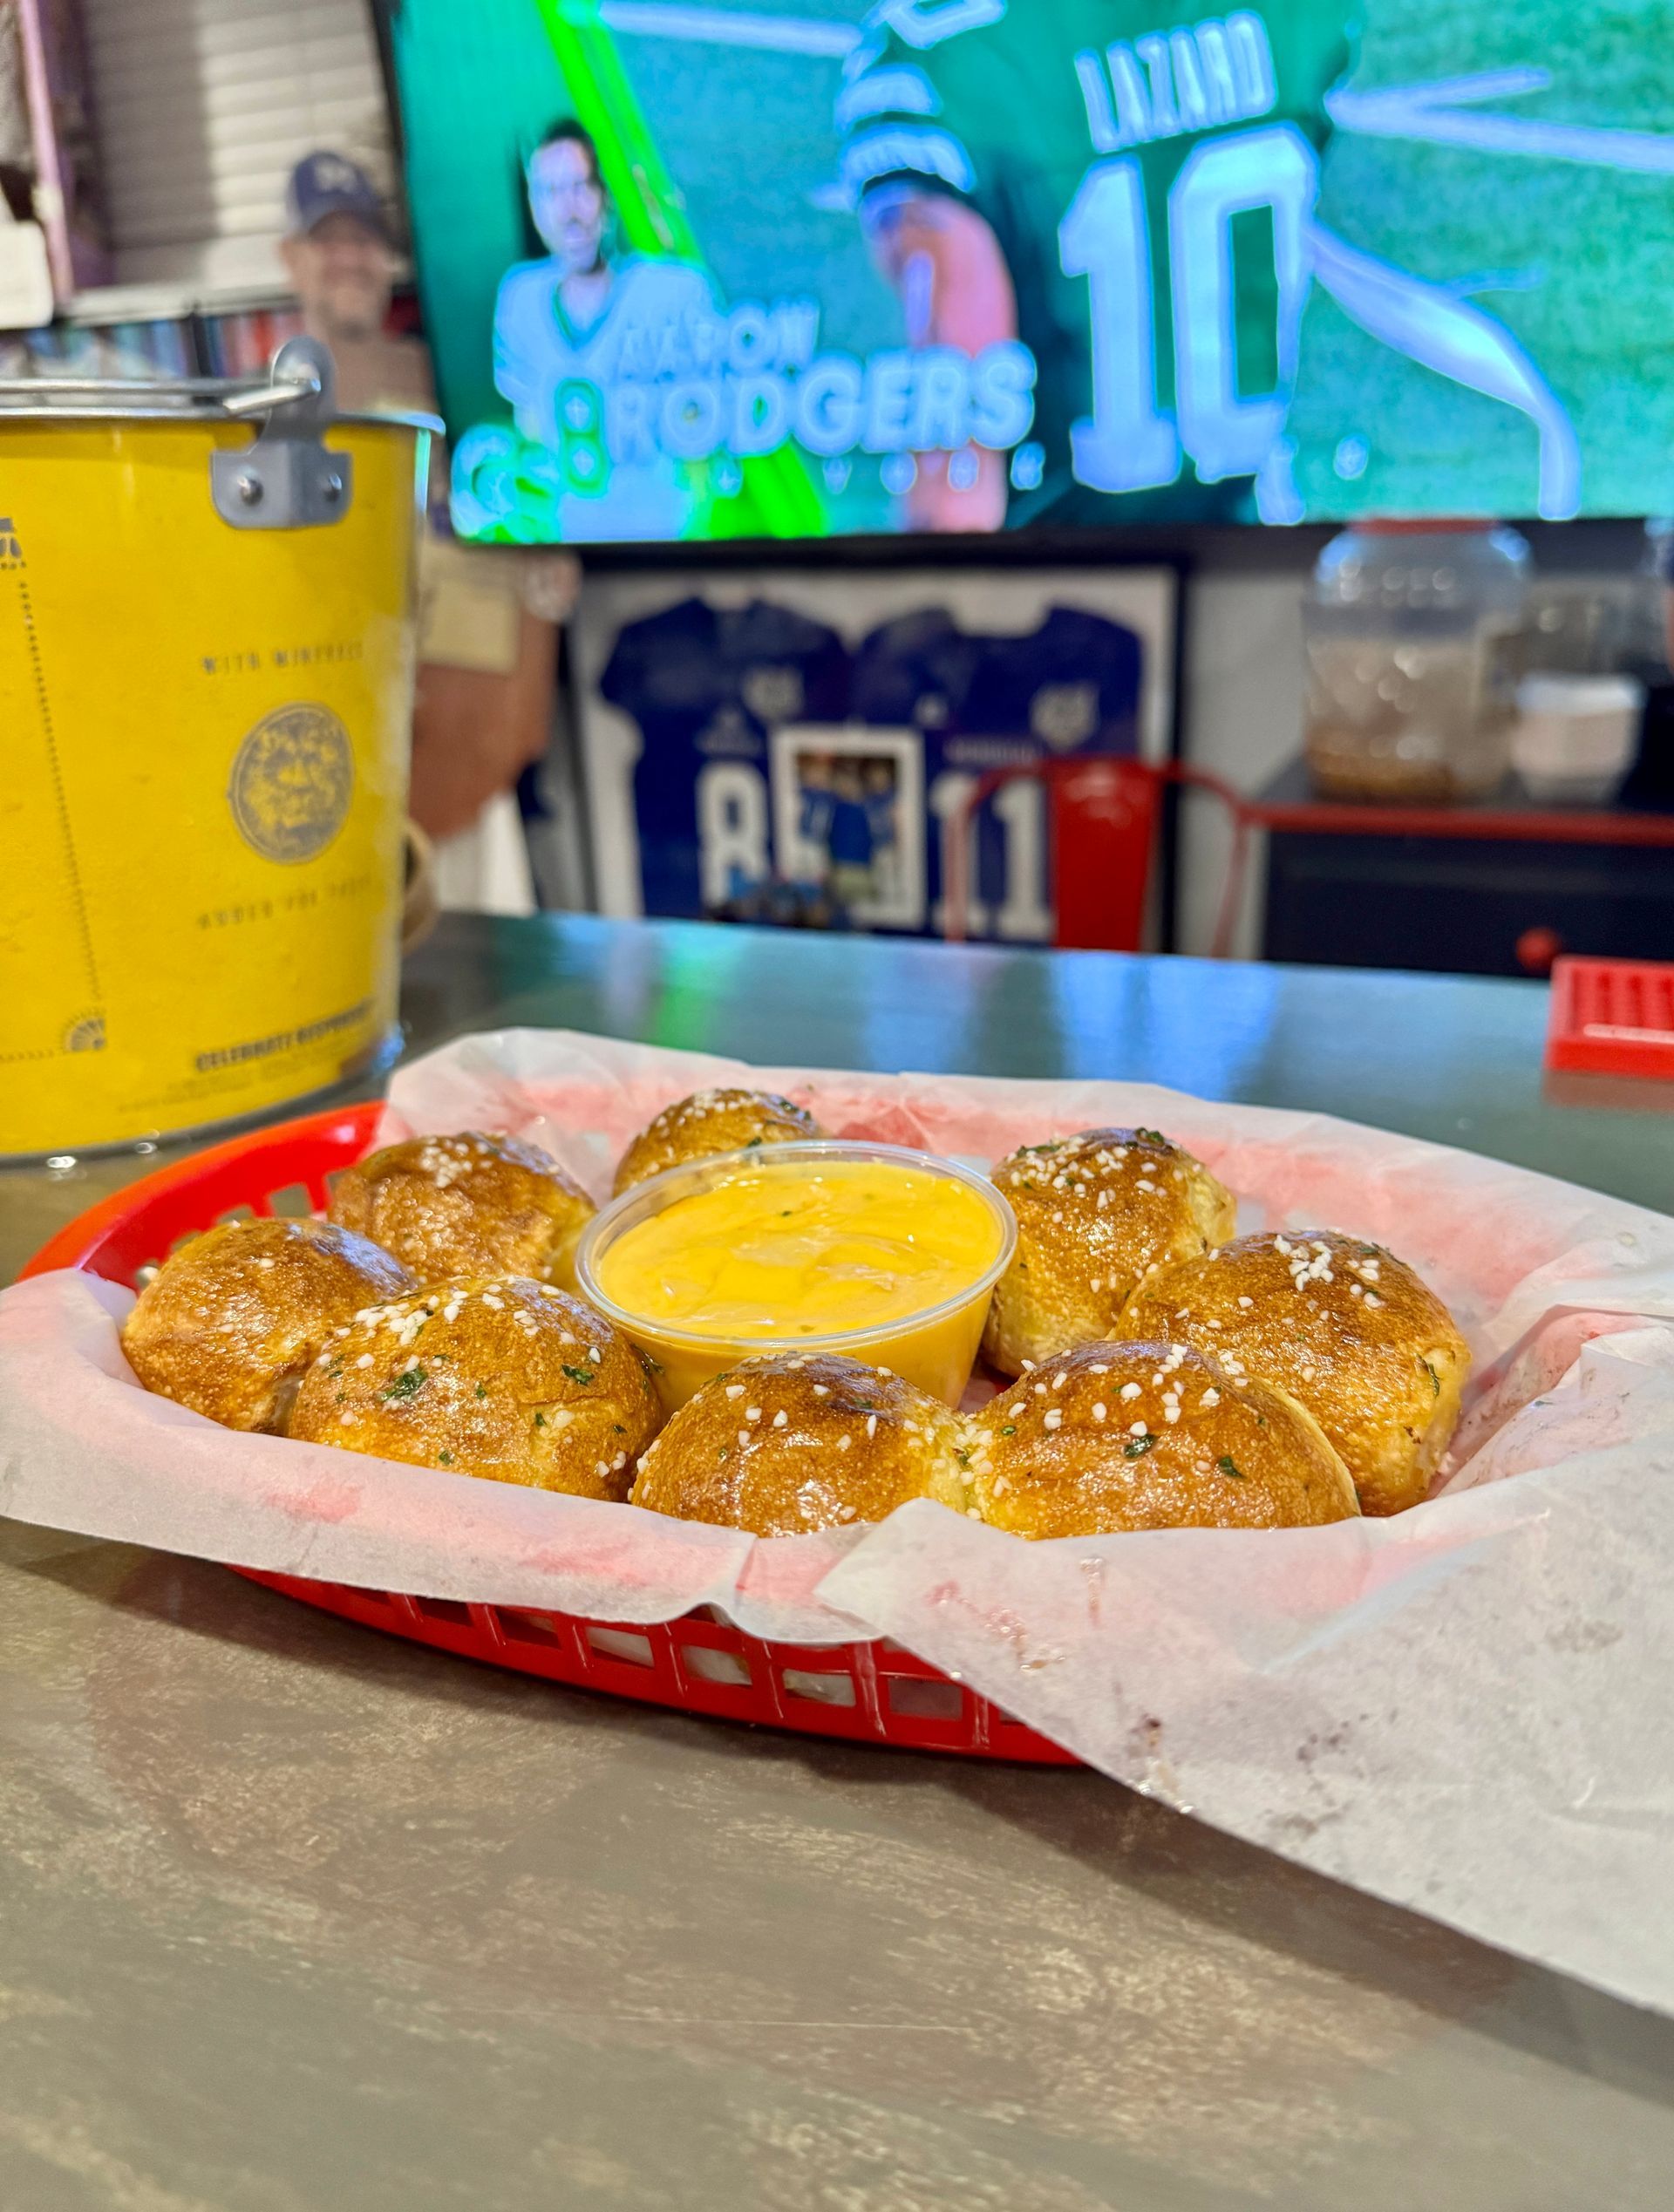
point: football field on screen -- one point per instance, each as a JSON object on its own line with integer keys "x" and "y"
{"x": 1574, "y": 255}
{"x": 1572, "y": 250}
{"x": 1554, "y": 217}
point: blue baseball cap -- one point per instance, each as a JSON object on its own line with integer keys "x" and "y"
{"x": 330, "y": 184}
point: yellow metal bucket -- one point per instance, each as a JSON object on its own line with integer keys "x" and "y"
{"x": 206, "y": 691}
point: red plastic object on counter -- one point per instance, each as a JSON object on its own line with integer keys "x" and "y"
{"x": 871, "y": 1692}
{"x": 1612, "y": 1017}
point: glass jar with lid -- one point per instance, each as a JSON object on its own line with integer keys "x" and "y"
{"x": 1410, "y": 630}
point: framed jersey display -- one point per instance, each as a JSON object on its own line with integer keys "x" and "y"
{"x": 791, "y": 267}
{"x": 787, "y": 747}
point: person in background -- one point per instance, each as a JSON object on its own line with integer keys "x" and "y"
{"x": 563, "y": 327}
{"x": 851, "y": 838}
{"x": 813, "y": 810}
{"x": 487, "y": 649}
{"x": 880, "y": 815}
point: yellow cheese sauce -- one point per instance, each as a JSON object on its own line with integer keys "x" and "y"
{"x": 813, "y": 1251}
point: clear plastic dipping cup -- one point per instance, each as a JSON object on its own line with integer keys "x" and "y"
{"x": 934, "y": 1347}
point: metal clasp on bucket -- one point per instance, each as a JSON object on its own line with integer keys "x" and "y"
{"x": 288, "y": 480}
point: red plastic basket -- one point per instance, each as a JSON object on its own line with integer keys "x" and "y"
{"x": 872, "y": 1692}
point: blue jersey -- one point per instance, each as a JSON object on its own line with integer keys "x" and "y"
{"x": 707, "y": 687}
{"x": 814, "y": 811}
{"x": 851, "y": 834}
{"x": 1073, "y": 684}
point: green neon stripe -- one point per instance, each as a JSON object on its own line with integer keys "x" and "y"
{"x": 779, "y": 499}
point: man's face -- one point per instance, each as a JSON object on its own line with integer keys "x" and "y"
{"x": 343, "y": 272}
{"x": 568, "y": 203}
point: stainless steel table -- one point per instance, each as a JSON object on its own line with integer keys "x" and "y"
{"x": 296, "y": 1919}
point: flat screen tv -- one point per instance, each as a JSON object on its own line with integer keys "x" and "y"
{"x": 748, "y": 269}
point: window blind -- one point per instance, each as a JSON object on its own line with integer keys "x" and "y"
{"x": 202, "y": 107}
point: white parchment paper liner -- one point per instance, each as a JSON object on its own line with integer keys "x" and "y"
{"x": 1468, "y": 1709}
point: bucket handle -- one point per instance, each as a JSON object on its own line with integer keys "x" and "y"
{"x": 293, "y": 376}
{"x": 420, "y": 894}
